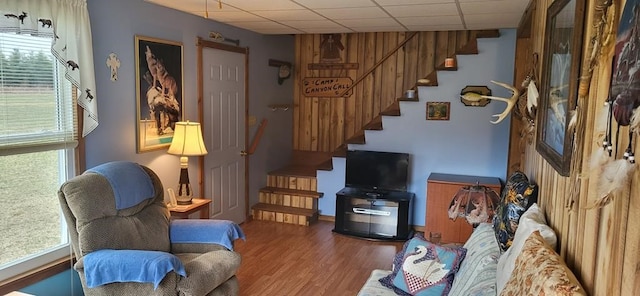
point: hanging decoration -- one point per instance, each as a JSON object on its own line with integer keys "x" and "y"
{"x": 113, "y": 63}
{"x": 617, "y": 167}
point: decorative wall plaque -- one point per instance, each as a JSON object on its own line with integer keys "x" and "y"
{"x": 326, "y": 86}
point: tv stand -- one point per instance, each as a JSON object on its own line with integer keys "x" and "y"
{"x": 383, "y": 215}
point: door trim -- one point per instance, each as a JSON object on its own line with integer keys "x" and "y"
{"x": 200, "y": 44}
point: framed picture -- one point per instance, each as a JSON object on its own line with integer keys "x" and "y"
{"x": 159, "y": 91}
{"x": 559, "y": 85}
{"x": 438, "y": 110}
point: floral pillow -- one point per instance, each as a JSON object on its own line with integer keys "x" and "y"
{"x": 424, "y": 268}
{"x": 540, "y": 271}
{"x": 517, "y": 196}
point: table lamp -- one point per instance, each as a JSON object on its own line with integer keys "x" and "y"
{"x": 187, "y": 141}
{"x": 476, "y": 203}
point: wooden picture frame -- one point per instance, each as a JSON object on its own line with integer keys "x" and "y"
{"x": 559, "y": 85}
{"x": 438, "y": 110}
{"x": 159, "y": 91}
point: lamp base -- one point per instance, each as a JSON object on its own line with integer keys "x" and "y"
{"x": 185, "y": 193}
{"x": 184, "y": 200}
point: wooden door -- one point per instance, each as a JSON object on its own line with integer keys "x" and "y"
{"x": 224, "y": 122}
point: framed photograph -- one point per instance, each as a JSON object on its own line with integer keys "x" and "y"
{"x": 559, "y": 85}
{"x": 438, "y": 110}
{"x": 159, "y": 91}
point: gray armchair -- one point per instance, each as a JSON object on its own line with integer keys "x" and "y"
{"x": 126, "y": 244}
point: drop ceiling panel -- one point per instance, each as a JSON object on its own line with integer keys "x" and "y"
{"x": 339, "y": 16}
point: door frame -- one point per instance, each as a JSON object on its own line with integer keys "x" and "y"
{"x": 200, "y": 44}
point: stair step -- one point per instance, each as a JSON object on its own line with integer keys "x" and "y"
{"x": 358, "y": 138}
{"x": 393, "y": 110}
{"x": 341, "y": 151}
{"x": 375, "y": 124}
{"x": 470, "y": 48}
{"x": 326, "y": 166}
{"x": 288, "y": 191}
{"x": 284, "y": 214}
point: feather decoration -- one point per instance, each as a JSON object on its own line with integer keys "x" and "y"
{"x": 635, "y": 121}
{"x": 599, "y": 159}
{"x": 532, "y": 97}
{"x": 614, "y": 178}
{"x": 573, "y": 120}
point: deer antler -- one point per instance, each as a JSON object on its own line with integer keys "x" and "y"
{"x": 510, "y": 101}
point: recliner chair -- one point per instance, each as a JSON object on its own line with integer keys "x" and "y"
{"x": 126, "y": 244}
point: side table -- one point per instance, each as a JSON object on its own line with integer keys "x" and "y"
{"x": 197, "y": 204}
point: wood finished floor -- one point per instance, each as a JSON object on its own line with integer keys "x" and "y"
{"x": 282, "y": 259}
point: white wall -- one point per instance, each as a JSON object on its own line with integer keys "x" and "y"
{"x": 467, "y": 144}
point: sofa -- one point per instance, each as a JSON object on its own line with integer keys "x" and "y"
{"x": 514, "y": 255}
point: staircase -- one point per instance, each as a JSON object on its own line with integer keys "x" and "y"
{"x": 291, "y": 193}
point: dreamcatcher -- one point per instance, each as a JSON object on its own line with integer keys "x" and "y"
{"x": 621, "y": 106}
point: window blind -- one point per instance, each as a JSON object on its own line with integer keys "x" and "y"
{"x": 37, "y": 106}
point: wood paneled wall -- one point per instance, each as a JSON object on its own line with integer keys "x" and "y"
{"x": 323, "y": 124}
{"x": 600, "y": 245}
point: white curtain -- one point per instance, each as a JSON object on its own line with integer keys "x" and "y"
{"x": 67, "y": 23}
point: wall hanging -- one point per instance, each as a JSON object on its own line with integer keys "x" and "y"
{"x": 159, "y": 91}
{"x": 438, "y": 110}
{"x": 559, "y": 85}
{"x": 622, "y": 112}
{"x": 472, "y": 95}
{"x": 113, "y": 63}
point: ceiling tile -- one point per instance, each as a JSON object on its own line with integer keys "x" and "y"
{"x": 422, "y": 10}
{"x": 234, "y": 16}
{"x": 252, "y": 5}
{"x": 361, "y": 23}
{"x": 490, "y": 7}
{"x": 289, "y": 15}
{"x": 352, "y": 13}
{"x": 304, "y": 25}
{"x": 430, "y": 21}
{"x": 315, "y": 4}
{"x": 412, "y": 2}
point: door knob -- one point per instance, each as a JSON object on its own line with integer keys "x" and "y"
{"x": 243, "y": 153}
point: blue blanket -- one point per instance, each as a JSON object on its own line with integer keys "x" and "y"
{"x": 222, "y": 232}
{"x": 130, "y": 183}
{"x": 113, "y": 266}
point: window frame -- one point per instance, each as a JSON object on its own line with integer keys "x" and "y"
{"x": 35, "y": 268}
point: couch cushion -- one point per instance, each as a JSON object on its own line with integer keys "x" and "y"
{"x": 477, "y": 274}
{"x": 517, "y": 196}
{"x": 373, "y": 287}
{"x": 532, "y": 220}
{"x": 421, "y": 258}
{"x": 540, "y": 271}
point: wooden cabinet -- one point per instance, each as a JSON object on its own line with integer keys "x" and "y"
{"x": 440, "y": 190}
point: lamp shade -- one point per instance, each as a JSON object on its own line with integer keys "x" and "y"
{"x": 476, "y": 203}
{"x": 187, "y": 140}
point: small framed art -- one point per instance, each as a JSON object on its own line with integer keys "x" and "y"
{"x": 438, "y": 110}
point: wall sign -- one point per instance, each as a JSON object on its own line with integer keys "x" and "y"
{"x": 326, "y": 86}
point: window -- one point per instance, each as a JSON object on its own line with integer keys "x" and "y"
{"x": 37, "y": 140}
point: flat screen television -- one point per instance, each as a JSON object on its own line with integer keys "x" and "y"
{"x": 377, "y": 171}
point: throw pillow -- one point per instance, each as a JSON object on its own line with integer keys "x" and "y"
{"x": 425, "y": 269}
{"x": 477, "y": 274}
{"x": 540, "y": 271}
{"x": 532, "y": 220}
{"x": 517, "y": 196}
